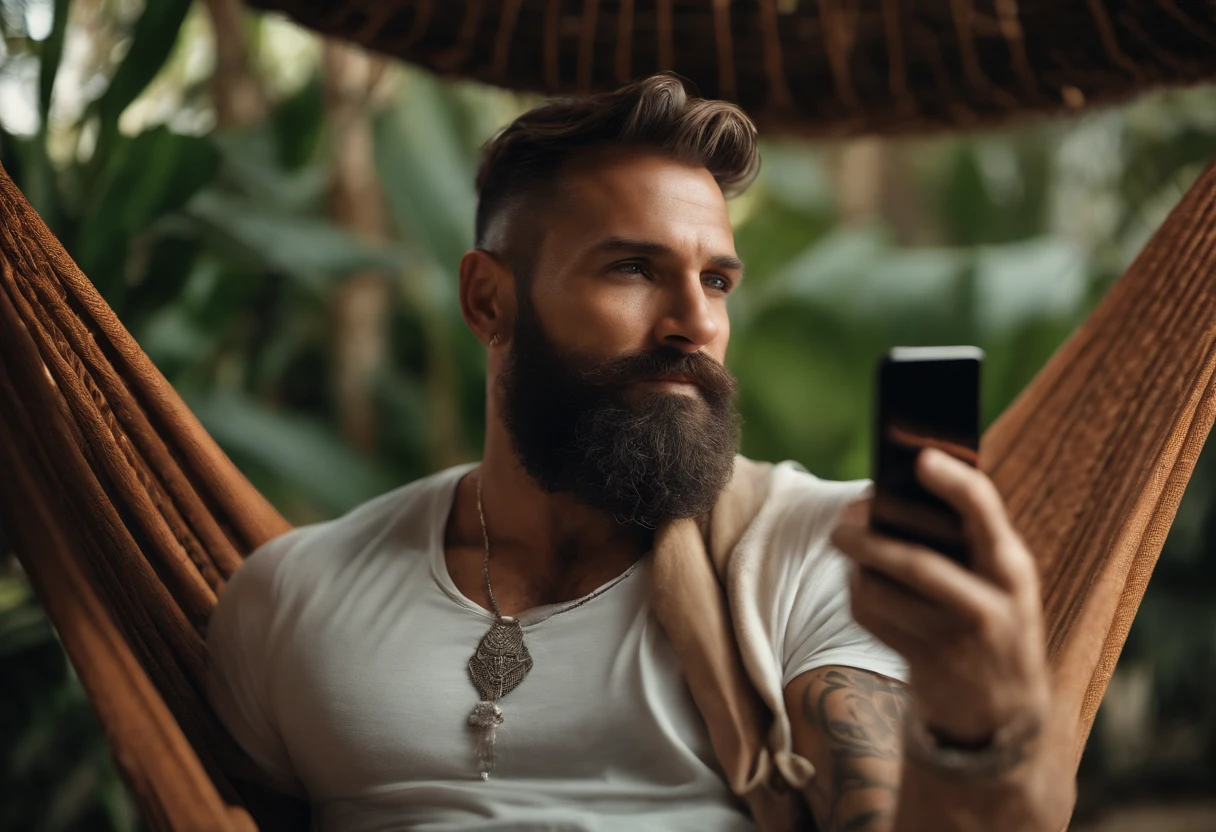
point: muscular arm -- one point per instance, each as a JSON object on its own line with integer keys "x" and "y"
{"x": 974, "y": 641}
{"x": 847, "y": 723}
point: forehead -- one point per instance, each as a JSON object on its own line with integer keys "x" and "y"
{"x": 638, "y": 195}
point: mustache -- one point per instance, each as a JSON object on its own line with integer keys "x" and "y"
{"x": 707, "y": 373}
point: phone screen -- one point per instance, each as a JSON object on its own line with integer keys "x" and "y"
{"x": 927, "y": 397}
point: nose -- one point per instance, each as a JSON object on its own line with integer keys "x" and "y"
{"x": 688, "y": 319}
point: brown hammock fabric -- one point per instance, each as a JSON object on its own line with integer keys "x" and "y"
{"x": 826, "y": 67}
{"x": 128, "y": 519}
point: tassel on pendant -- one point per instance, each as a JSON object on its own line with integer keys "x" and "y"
{"x": 484, "y": 719}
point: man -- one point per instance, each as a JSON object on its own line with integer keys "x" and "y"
{"x": 477, "y": 650}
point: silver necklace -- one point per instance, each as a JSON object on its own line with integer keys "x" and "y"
{"x": 501, "y": 660}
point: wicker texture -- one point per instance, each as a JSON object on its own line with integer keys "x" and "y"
{"x": 128, "y": 518}
{"x": 1093, "y": 457}
{"x": 825, "y": 67}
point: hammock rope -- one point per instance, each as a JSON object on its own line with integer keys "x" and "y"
{"x": 163, "y": 771}
{"x": 1093, "y": 457}
{"x": 129, "y": 518}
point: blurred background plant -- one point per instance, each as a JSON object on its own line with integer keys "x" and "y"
{"x": 279, "y": 220}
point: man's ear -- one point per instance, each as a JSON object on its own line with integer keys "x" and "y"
{"x": 487, "y": 296}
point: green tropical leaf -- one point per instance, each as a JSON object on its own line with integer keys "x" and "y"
{"x": 773, "y": 234}
{"x": 152, "y": 41}
{"x": 1044, "y": 277}
{"x": 309, "y": 248}
{"x": 300, "y": 451}
{"x": 792, "y": 174}
{"x": 252, "y": 167}
{"x": 427, "y": 178}
{"x": 298, "y": 123}
{"x": 52, "y": 53}
{"x": 144, "y": 178}
{"x": 23, "y": 627}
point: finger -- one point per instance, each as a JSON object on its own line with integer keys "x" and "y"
{"x": 971, "y": 493}
{"x": 940, "y": 580}
{"x": 885, "y": 628}
{"x": 877, "y": 596}
{"x": 856, "y": 513}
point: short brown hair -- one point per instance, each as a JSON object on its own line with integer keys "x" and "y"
{"x": 659, "y": 112}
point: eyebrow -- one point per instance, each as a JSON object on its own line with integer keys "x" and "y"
{"x": 651, "y": 248}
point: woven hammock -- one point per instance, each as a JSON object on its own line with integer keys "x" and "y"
{"x": 129, "y": 519}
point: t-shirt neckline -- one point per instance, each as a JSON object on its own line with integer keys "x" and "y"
{"x": 445, "y": 495}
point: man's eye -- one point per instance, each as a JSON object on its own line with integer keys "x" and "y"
{"x": 630, "y": 268}
{"x": 719, "y": 282}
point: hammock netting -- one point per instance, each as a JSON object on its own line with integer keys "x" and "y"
{"x": 129, "y": 519}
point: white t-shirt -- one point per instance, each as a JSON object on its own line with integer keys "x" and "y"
{"x": 339, "y": 659}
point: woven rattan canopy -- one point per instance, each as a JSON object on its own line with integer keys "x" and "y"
{"x": 827, "y": 67}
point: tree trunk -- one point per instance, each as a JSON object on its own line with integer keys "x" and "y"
{"x": 235, "y": 90}
{"x": 874, "y": 182}
{"x": 361, "y": 304}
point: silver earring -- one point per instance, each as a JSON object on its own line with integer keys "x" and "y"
{"x": 494, "y": 340}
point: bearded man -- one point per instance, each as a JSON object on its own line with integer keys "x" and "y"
{"x": 481, "y": 649}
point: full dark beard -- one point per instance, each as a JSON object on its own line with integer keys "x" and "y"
{"x": 644, "y": 458}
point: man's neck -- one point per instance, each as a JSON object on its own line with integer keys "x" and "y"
{"x": 544, "y": 548}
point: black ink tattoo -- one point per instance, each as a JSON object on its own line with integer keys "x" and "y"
{"x": 861, "y": 716}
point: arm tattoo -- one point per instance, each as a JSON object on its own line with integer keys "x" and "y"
{"x": 860, "y": 715}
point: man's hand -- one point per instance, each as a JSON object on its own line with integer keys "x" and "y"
{"x": 973, "y": 638}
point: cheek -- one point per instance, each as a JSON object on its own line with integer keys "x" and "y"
{"x": 599, "y": 319}
{"x": 718, "y": 348}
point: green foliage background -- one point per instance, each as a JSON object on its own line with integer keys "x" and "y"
{"x": 215, "y": 249}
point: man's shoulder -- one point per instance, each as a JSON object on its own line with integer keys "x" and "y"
{"x": 302, "y": 555}
{"x": 796, "y": 492}
{"x": 799, "y": 512}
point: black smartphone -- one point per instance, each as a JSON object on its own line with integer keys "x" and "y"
{"x": 927, "y": 397}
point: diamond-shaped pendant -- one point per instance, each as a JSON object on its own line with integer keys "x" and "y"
{"x": 501, "y": 661}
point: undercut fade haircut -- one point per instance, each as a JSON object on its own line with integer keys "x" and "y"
{"x": 520, "y": 165}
